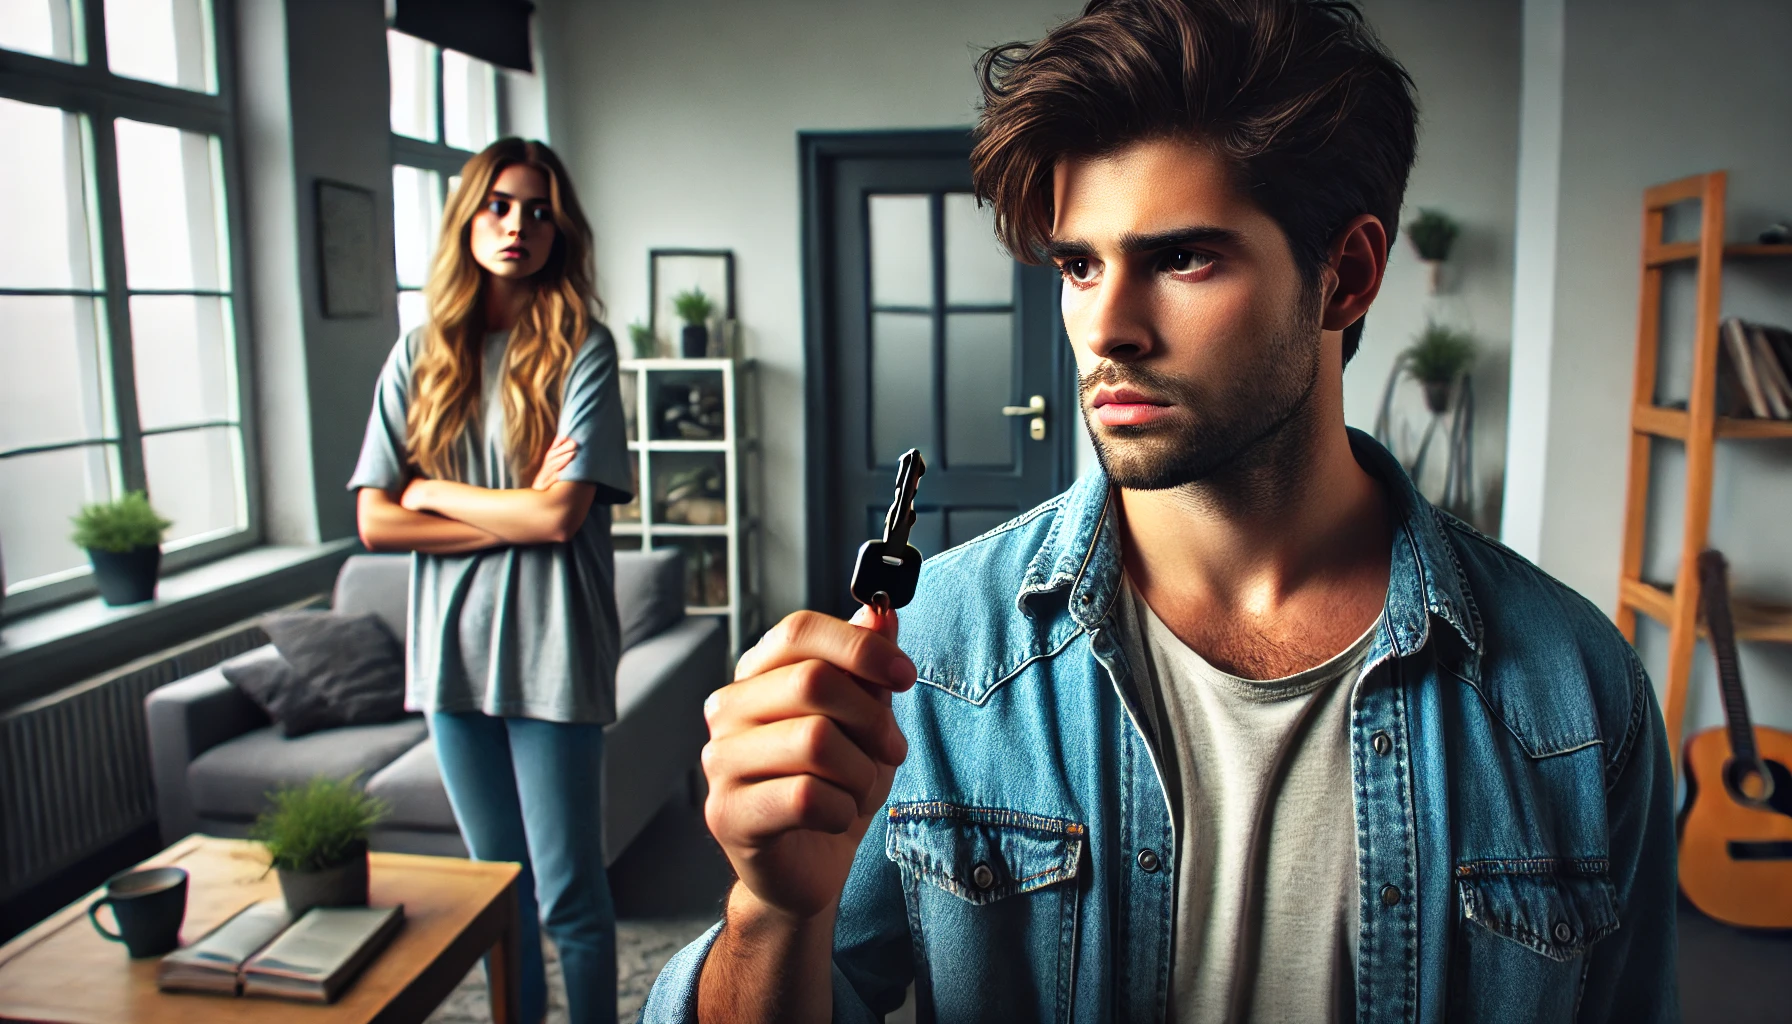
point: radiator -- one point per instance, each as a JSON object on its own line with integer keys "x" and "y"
{"x": 74, "y": 766}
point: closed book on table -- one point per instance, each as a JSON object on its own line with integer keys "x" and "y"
{"x": 316, "y": 959}
{"x": 213, "y": 963}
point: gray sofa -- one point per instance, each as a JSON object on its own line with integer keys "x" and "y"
{"x": 215, "y": 755}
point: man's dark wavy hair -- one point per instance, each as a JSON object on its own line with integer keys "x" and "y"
{"x": 1315, "y": 117}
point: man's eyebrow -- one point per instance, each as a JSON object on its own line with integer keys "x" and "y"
{"x": 1133, "y": 243}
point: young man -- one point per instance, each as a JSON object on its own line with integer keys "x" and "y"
{"x": 1240, "y": 728}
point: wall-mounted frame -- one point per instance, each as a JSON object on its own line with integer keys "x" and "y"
{"x": 671, "y": 271}
{"x": 347, "y": 250}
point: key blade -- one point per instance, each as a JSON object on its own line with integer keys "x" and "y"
{"x": 901, "y": 517}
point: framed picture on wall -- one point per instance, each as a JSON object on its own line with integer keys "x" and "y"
{"x": 347, "y": 250}
{"x": 672, "y": 272}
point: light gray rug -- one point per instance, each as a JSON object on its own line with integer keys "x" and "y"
{"x": 642, "y": 948}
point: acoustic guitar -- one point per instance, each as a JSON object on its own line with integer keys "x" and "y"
{"x": 1736, "y": 829}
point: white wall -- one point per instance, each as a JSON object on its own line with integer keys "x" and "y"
{"x": 679, "y": 121}
{"x": 1654, "y": 90}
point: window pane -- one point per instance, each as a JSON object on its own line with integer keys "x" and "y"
{"x": 979, "y": 372}
{"x": 412, "y": 311}
{"x": 901, "y": 384}
{"x": 43, "y": 27}
{"x": 469, "y": 101}
{"x": 169, "y": 192}
{"x": 978, "y": 272}
{"x": 166, "y": 41}
{"x": 195, "y": 479}
{"x": 54, "y": 384}
{"x": 901, "y": 251}
{"x": 183, "y": 359}
{"x": 412, "y": 65}
{"x": 45, "y": 199}
{"x": 34, "y": 534}
{"x": 416, "y": 217}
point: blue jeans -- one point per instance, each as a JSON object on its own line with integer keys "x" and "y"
{"x": 526, "y": 790}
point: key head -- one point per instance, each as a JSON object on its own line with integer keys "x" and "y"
{"x": 886, "y": 569}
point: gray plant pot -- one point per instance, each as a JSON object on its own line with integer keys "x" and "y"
{"x": 1437, "y": 395}
{"x": 344, "y": 885}
{"x": 694, "y": 341}
{"x": 126, "y": 577}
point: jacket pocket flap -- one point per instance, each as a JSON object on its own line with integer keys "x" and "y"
{"x": 982, "y": 854}
{"x": 1552, "y": 906}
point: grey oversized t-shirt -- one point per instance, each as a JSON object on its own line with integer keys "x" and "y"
{"x": 528, "y": 630}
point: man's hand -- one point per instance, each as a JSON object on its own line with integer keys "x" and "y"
{"x": 558, "y": 458}
{"x": 803, "y": 747}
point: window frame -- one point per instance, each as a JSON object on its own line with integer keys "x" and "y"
{"x": 91, "y": 91}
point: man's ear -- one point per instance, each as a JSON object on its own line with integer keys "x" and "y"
{"x": 1355, "y": 263}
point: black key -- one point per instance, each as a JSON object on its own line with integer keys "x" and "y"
{"x": 888, "y": 569}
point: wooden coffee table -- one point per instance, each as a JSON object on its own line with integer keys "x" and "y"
{"x": 454, "y": 910}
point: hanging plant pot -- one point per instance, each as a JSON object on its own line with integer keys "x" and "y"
{"x": 344, "y": 885}
{"x": 126, "y": 577}
{"x": 1434, "y": 275}
{"x": 694, "y": 341}
{"x": 1437, "y": 395}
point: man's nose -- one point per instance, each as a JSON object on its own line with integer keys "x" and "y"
{"x": 1115, "y": 328}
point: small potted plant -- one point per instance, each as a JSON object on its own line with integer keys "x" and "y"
{"x": 123, "y": 539}
{"x": 316, "y": 838}
{"x": 641, "y": 336}
{"x": 1433, "y": 232}
{"x": 694, "y": 308}
{"x": 1436, "y": 358}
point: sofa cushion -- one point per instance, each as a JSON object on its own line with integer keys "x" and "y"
{"x": 412, "y": 789}
{"x": 649, "y": 592}
{"x": 380, "y": 584}
{"x": 262, "y": 675}
{"x": 346, "y": 670}
{"x": 232, "y": 780}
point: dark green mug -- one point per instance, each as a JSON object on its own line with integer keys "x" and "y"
{"x": 149, "y": 905}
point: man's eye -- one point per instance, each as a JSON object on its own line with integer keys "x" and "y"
{"x": 1076, "y": 269}
{"x": 1182, "y": 261}
{"x": 499, "y": 207}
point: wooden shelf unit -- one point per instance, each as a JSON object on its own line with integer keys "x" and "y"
{"x": 1697, "y": 426}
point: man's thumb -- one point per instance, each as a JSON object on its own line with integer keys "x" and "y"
{"x": 883, "y": 623}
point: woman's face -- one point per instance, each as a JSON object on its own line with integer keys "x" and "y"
{"x": 513, "y": 233}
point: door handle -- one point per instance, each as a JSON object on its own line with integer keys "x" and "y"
{"x": 1035, "y": 408}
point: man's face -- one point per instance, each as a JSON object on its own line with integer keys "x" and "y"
{"x": 1195, "y": 338}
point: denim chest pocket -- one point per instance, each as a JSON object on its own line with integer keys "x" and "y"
{"x": 1527, "y": 926}
{"x": 992, "y": 900}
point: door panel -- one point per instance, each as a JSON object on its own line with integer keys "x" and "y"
{"x": 925, "y": 330}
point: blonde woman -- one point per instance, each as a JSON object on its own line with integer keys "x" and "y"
{"x": 493, "y": 454}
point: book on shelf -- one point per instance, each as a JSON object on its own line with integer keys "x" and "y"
{"x": 1774, "y": 380}
{"x": 1737, "y": 347}
{"x": 261, "y": 951}
{"x": 1754, "y": 370}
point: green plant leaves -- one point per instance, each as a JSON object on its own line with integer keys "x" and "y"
{"x": 314, "y": 826}
{"x": 123, "y": 525}
{"x": 693, "y": 307}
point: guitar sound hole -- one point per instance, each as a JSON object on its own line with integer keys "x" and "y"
{"x": 1777, "y": 780}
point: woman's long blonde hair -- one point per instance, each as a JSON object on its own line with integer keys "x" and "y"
{"x": 445, "y": 376}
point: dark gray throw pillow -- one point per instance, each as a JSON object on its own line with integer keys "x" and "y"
{"x": 345, "y": 670}
{"x": 263, "y": 676}
{"x": 649, "y": 592}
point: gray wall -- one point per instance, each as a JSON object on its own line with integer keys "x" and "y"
{"x": 679, "y": 121}
{"x": 1654, "y": 90}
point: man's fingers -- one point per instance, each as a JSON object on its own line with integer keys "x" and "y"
{"x": 759, "y": 813}
{"x": 796, "y": 746}
{"x": 802, "y": 636}
{"x": 804, "y": 689}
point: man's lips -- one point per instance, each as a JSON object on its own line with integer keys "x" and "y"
{"x": 1126, "y": 407}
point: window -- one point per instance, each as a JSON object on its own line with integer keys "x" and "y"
{"x": 444, "y": 110}
{"x": 119, "y": 362}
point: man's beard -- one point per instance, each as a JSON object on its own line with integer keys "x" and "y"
{"x": 1222, "y": 430}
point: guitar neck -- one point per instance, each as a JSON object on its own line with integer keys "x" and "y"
{"x": 1714, "y": 587}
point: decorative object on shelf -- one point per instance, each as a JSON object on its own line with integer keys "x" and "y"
{"x": 641, "y": 337}
{"x": 695, "y": 497}
{"x": 676, "y": 272}
{"x": 316, "y": 838}
{"x": 123, "y": 539}
{"x": 1700, "y": 426}
{"x": 1433, "y": 232}
{"x": 1777, "y": 234}
{"x": 694, "y": 308}
{"x": 1439, "y": 359}
{"x": 690, "y": 411}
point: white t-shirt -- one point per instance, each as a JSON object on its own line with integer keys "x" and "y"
{"x": 1223, "y": 736}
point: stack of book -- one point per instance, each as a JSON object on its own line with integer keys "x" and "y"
{"x": 261, "y": 951}
{"x": 1755, "y": 371}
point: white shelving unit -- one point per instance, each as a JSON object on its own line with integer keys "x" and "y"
{"x": 649, "y": 387}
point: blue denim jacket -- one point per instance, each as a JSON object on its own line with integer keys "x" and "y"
{"x": 1514, "y": 821}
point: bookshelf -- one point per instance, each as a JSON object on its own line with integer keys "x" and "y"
{"x": 1698, "y": 427}
{"x": 695, "y": 454}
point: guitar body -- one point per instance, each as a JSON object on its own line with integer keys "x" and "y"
{"x": 1736, "y": 832}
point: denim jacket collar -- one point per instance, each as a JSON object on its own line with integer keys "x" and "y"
{"x": 1082, "y": 555}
